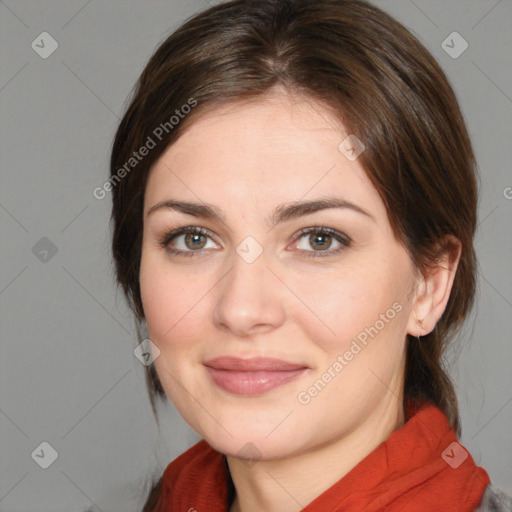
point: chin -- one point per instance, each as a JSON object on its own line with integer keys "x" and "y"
{"x": 238, "y": 436}
{"x": 253, "y": 447}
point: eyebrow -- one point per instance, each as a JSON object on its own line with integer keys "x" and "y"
{"x": 282, "y": 213}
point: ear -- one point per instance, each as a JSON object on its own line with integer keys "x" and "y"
{"x": 433, "y": 290}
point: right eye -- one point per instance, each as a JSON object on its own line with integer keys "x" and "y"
{"x": 192, "y": 241}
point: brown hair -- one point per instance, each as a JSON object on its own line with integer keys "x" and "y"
{"x": 384, "y": 86}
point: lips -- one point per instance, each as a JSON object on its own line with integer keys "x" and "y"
{"x": 253, "y": 364}
{"x": 252, "y": 376}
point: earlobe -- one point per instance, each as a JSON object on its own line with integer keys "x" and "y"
{"x": 433, "y": 290}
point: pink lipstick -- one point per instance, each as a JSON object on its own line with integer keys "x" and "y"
{"x": 252, "y": 376}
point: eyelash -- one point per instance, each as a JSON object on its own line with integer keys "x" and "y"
{"x": 344, "y": 240}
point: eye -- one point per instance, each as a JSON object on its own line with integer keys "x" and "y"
{"x": 193, "y": 240}
{"x": 322, "y": 238}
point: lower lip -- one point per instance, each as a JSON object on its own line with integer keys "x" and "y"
{"x": 252, "y": 383}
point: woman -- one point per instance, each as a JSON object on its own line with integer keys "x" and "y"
{"x": 294, "y": 205}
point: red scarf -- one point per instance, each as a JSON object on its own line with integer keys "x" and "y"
{"x": 417, "y": 469}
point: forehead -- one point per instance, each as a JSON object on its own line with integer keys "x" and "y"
{"x": 275, "y": 149}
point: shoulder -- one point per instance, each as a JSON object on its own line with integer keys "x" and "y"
{"x": 195, "y": 459}
{"x": 196, "y": 476}
{"x": 494, "y": 500}
{"x": 200, "y": 466}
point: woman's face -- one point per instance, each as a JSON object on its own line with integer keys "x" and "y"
{"x": 331, "y": 306}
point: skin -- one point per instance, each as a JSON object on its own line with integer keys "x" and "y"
{"x": 246, "y": 159}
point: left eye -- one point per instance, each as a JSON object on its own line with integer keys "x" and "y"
{"x": 322, "y": 239}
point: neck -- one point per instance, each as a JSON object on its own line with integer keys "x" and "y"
{"x": 289, "y": 484}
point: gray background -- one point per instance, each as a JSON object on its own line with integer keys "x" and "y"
{"x": 68, "y": 374}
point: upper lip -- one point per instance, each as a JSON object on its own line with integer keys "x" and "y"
{"x": 253, "y": 364}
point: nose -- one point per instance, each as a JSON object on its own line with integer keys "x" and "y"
{"x": 250, "y": 299}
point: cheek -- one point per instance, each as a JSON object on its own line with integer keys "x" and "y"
{"x": 172, "y": 307}
{"x": 173, "y": 303}
{"x": 346, "y": 304}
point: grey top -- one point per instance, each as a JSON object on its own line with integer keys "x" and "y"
{"x": 494, "y": 500}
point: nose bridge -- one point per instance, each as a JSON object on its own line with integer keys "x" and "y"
{"x": 250, "y": 295}
{"x": 249, "y": 278}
